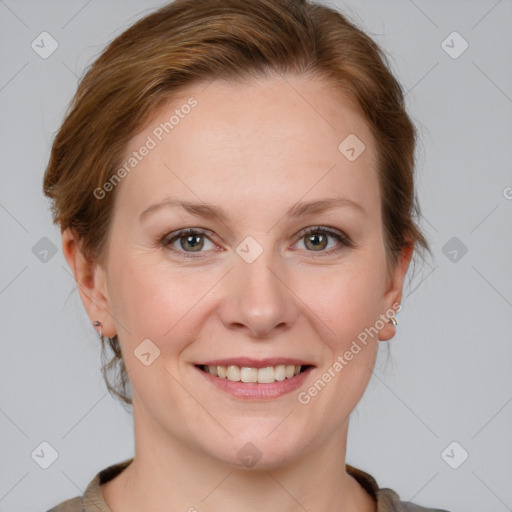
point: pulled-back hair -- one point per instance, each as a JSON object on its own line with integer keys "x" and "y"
{"x": 191, "y": 41}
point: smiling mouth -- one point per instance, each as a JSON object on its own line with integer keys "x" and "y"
{"x": 266, "y": 375}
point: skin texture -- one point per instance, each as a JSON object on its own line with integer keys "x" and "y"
{"x": 254, "y": 150}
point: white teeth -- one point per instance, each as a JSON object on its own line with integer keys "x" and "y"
{"x": 261, "y": 375}
{"x": 266, "y": 375}
{"x": 290, "y": 371}
{"x": 233, "y": 373}
{"x": 280, "y": 372}
{"x": 248, "y": 374}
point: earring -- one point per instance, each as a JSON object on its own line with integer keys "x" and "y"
{"x": 97, "y": 323}
{"x": 113, "y": 342}
{"x": 394, "y": 321}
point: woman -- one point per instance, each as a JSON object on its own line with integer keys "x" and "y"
{"x": 234, "y": 185}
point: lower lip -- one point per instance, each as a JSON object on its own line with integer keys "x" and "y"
{"x": 255, "y": 391}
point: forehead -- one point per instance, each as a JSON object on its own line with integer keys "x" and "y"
{"x": 270, "y": 140}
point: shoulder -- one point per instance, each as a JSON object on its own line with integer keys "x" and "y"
{"x": 92, "y": 499}
{"x": 411, "y": 507}
{"x": 72, "y": 505}
{"x": 387, "y": 499}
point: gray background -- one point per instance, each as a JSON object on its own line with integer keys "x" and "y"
{"x": 449, "y": 376}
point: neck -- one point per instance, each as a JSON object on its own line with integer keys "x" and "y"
{"x": 166, "y": 472}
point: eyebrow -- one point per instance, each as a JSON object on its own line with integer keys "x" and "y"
{"x": 215, "y": 212}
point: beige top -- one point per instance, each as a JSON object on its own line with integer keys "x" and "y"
{"x": 92, "y": 501}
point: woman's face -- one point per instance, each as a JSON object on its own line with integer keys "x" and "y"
{"x": 261, "y": 170}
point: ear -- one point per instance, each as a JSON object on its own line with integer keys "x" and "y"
{"x": 91, "y": 283}
{"x": 392, "y": 297}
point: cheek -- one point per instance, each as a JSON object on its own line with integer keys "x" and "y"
{"x": 345, "y": 301}
{"x": 136, "y": 302}
{"x": 348, "y": 304}
{"x": 152, "y": 300}
{"x": 153, "y": 303}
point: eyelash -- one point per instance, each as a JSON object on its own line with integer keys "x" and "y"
{"x": 343, "y": 239}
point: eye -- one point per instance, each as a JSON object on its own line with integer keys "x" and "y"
{"x": 316, "y": 239}
{"x": 189, "y": 240}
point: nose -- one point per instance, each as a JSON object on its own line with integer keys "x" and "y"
{"x": 258, "y": 301}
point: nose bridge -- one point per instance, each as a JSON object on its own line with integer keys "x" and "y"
{"x": 257, "y": 297}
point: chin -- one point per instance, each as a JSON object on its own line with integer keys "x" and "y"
{"x": 258, "y": 452}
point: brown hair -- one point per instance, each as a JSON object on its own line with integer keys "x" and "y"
{"x": 188, "y": 41}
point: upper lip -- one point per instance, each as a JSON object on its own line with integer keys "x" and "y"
{"x": 248, "y": 362}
